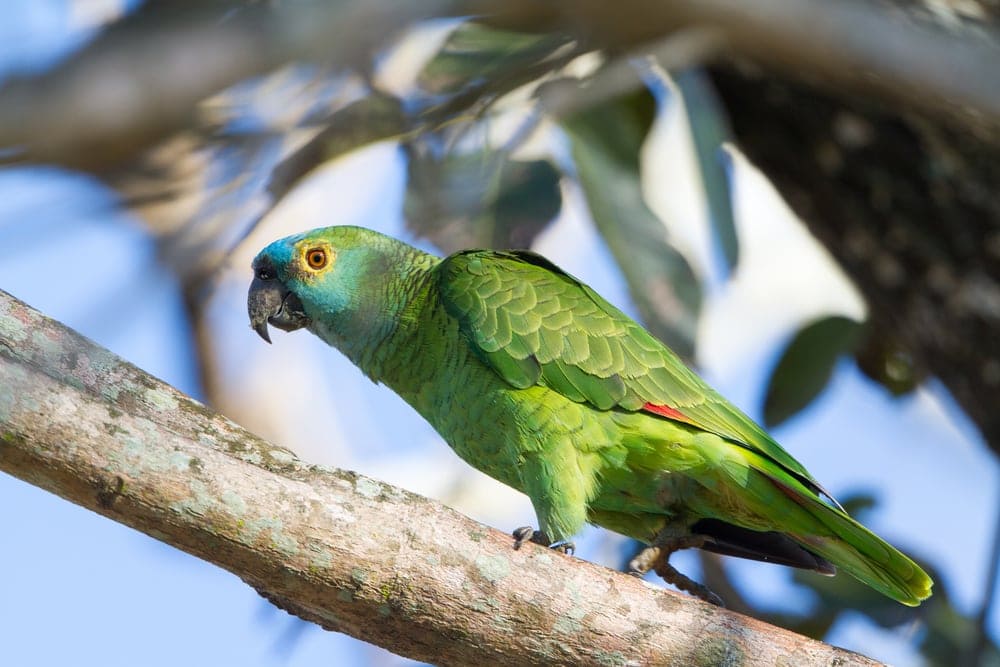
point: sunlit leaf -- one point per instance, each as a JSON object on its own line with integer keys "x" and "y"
{"x": 475, "y": 53}
{"x": 477, "y": 200}
{"x": 605, "y": 142}
{"x": 806, "y": 365}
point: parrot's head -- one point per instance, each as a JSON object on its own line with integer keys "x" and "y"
{"x": 324, "y": 279}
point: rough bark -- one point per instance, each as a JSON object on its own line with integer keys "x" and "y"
{"x": 347, "y": 552}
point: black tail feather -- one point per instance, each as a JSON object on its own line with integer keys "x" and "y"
{"x": 769, "y": 546}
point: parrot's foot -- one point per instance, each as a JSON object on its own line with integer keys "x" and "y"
{"x": 656, "y": 558}
{"x": 563, "y": 546}
{"x": 529, "y": 534}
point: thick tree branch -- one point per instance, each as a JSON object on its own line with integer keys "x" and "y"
{"x": 127, "y": 90}
{"x": 345, "y": 551}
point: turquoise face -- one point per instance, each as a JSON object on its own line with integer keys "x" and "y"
{"x": 325, "y": 269}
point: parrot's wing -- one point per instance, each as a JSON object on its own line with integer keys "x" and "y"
{"x": 535, "y": 324}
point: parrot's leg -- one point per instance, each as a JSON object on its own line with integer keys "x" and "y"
{"x": 560, "y": 502}
{"x": 656, "y": 558}
{"x": 529, "y": 534}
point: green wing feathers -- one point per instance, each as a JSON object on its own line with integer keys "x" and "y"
{"x": 535, "y": 324}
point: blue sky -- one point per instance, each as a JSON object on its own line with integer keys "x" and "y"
{"x": 86, "y": 591}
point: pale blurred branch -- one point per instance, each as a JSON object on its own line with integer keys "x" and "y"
{"x": 945, "y": 67}
{"x": 121, "y": 94}
{"x": 347, "y": 552}
{"x": 124, "y": 92}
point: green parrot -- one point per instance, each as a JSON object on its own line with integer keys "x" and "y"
{"x": 537, "y": 381}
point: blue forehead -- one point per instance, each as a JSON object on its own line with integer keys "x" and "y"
{"x": 280, "y": 252}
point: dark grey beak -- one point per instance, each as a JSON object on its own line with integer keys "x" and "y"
{"x": 270, "y": 302}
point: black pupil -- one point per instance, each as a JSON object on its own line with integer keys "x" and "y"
{"x": 316, "y": 257}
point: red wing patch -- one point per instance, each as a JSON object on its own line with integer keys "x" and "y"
{"x": 667, "y": 411}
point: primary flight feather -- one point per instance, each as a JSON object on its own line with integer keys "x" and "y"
{"x": 539, "y": 382}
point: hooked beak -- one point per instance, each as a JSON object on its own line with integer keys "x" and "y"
{"x": 270, "y": 302}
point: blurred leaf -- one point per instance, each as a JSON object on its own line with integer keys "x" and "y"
{"x": 857, "y": 504}
{"x": 843, "y": 592}
{"x": 605, "y": 142}
{"x": 951, "y": 638}
{"x": 481, "y": 199}
{"x": 475, "y": 53}
{"x": 709, "y": 130}
{"x": 883, "y": 359}
{"x": 528, "y": 200}
{"x": 806, "y": 365}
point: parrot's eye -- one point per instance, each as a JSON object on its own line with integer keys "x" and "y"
{"x": 316, "y": 258}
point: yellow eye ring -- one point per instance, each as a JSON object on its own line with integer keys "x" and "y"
{"x": 316, "y": 258}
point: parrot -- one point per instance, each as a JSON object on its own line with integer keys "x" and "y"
{"x": 539, "y": 382}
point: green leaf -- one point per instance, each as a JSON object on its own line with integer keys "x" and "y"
{"x": 480, "y": 200}
{"x": 474, "y": 54}
{"x": 709, "y": 130}
{"x": 806, "y": 365}
{"x": 884, "y": 358}
{"x": 605, "y": 143}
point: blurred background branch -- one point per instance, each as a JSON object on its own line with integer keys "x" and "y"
{"x": 137, "y": 83}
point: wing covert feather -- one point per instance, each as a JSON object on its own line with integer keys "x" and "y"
{"x": 535, "y": 324}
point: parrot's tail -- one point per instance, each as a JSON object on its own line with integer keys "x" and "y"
{"x": 860, "y": 552}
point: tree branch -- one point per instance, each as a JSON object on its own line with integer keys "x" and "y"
{"x": 336, "y": 548}
{"x": 131, "y": 88}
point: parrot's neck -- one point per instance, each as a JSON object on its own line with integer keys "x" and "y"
{"x": 384, "y": 310}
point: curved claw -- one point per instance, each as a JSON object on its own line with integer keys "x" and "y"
{"x": 529, "y": 534}
{"x": 563, "y": 546}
